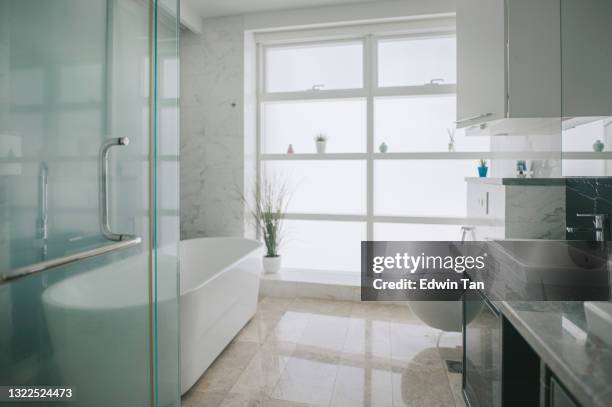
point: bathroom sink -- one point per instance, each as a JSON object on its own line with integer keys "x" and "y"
{"x": 553, "y": 261}
{"x": 599, "y": 319}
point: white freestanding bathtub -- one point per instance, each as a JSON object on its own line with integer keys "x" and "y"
{"x": 99, "y": 337}
{"x": 219, "y": 289}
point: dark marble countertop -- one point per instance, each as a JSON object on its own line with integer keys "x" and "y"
{"x": 521, "y": 275}
{"x": 517, "y": 181}
{"x": 558, "y": 333}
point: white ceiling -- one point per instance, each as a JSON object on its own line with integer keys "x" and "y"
{"x": 218, "y": 8}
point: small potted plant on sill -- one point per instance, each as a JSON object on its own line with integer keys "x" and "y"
{"x": 482, "y": 168}
{"x": 321, "y": 143}
{"x": 268, "y": 211}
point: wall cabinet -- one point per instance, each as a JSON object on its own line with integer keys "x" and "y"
{"x": 586, "y": 57}
{"x": 524, "y": 64}
{"x": 508, "y": 60}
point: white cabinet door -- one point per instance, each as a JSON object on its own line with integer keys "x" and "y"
{"x": 481, "y": 61}
{"x": 587, "y": 57}
{"x": 534, "y": 72}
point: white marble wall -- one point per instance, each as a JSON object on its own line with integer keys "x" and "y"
{"x": 535, "y": 212}
{"x": 212, "y": 129}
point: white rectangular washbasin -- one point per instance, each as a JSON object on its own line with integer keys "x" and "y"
{"x": 599, "y": 319}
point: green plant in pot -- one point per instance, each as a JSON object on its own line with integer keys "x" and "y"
{"x": 482, "y": 168}
{"x": 268, "y": 212}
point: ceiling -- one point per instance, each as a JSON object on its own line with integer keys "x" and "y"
{"x": 218, "y": 8}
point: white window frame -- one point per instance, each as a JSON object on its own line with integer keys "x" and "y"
{"x": 369, "y": 92}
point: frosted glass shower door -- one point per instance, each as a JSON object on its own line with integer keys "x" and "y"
{"x": 81, "y": 305}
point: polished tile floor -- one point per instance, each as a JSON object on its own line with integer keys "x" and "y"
{"x": 306, "y": 352}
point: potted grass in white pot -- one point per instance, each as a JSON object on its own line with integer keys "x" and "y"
{"x": 321, "y": 143}
{"x": 268, "y": 212}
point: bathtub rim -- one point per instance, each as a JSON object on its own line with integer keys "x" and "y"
{"x": 249, "y": 253}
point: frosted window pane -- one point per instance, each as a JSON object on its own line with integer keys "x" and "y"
{"x": 296, "y": 123}
{"x": 323, "y": 245}
{"x": 581, "y": 138}
{"x": 416, "y": 232}
{"x": 168, "y": 129}
{"x": 27, "y": 86}
{"x": 420, "y": 124}
{"x": 167, "y": 179}
{"x": 299, "y": 68}
{"x": 416, "y": 61}
{"x": 169, "y": 79}
{"x": 586, "y": 168}
{"x": 80, "y": 83}
{"x": 334, "y": 187}
{"x": 422, "y": 187}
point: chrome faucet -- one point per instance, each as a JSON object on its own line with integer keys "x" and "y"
{"x": 598, "y": 223}
{"x": 42, "y": 226}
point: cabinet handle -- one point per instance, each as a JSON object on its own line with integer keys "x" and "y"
{"x": 470, "y": 119}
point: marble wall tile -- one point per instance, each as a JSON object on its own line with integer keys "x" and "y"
{"x": 534, "y": 212}
{"x": 588, "y": 195}
{"x": 212, "y": 133}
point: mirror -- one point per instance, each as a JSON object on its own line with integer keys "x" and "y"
{"x": 586, "y": 87}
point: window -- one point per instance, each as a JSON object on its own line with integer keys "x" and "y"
{"x": 296, "y": 123}
{"x": 398, "y": 90}
{"x": 323, "y": 66}
{"x": 416, "y": 61}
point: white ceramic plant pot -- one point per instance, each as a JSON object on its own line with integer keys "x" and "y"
{"x": 321, "y": 145}
{"x": 271, "y": 264}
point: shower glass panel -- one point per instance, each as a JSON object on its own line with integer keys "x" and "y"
{"x": 88, "y": 263}
{"x": 167, "y": 204}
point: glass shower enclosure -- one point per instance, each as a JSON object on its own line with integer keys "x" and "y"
{"x": 89, "y": 199}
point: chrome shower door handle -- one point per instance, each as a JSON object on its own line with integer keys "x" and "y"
{"x": 103, "y": 205}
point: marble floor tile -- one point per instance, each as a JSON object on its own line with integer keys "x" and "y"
{"x": 323, "y": 307}
{"x": 368, "y": 337}
{"x": 451, "y": 346}
{"x": 308, "y": 353}
{"x": 241, "y": 400}
{"x": 326, "y": 332}
{"x": 290, "y": 327}
{"x": 227, "y": 368}
{"x": 308, "y": 377}
{"x": 454, "y": 380}
{"x": 410, "y": 340}
{"x": 252, "y": 332}
{"x": 264, "y": 370}
{"x": 196, "y": 398}
{"x": 274, "y": 304}
{"x": 418, "y": 385}
{"x": 363, "y": 385}
{"x": 382, "y": 312}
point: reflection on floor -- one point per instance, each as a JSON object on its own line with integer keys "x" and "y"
{"x": 306, "y": 352}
